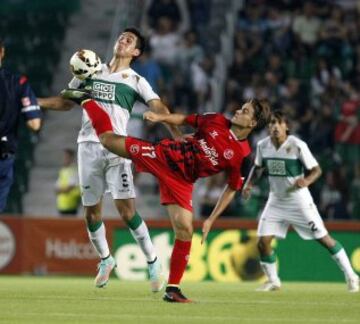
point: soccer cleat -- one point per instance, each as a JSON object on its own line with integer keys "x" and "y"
{"x": 156, "y": 276}
{"x": 353, "y": 283}
{"x": 270, "y": 286}
{"x": 174, "y": 295}
{"x": 104, "y": 269}
{"x": 76, "y": 95}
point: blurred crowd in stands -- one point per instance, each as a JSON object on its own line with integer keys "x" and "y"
{"x": 303, "y": 56}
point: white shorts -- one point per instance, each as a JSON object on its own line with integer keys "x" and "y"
{"x": 101, "y": 171}
{"x": 276, "y": 219}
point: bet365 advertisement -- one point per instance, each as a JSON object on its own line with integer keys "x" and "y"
{"x": 231, "y": 255}
{"x": 61, "y": 246}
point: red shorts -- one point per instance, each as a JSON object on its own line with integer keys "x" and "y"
{"x": 147, "y": 157}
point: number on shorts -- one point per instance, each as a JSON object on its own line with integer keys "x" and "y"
{"x": 125, "y": 182}
{"x": 313, "y": 226}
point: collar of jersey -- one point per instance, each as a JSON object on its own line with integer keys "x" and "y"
{"x": 233, "y": 135}
{"x": 121, "y": 71}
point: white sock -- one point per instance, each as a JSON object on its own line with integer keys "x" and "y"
{"x": 98, "y": 239}
{"x": 344, "y": 264}
{"x": 270, "y": 271}
{"x": 142, "y": 237}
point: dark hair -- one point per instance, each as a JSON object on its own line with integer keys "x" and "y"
{"x": 70, "y": 152}
{"x": 1, "y": 42}
{"x": 262, "y": 112}
{"x": 280, "y": 116}
{"x": 140, "y": 42}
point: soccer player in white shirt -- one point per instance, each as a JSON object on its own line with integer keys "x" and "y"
{"x": 117, "y": 88}
{"x": 284, "y": 157}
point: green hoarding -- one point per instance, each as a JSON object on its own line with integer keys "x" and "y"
{"x": 231, "y": 255}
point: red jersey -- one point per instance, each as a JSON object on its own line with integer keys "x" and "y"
{"x": 213, "y": 148}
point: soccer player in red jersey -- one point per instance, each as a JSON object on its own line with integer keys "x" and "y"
{"x": 218, "y": 144}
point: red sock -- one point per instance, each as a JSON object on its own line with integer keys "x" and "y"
{"x": 99, "y": 118}
{"x": 179, "y": 260}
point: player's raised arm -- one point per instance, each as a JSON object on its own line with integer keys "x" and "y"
{"x": 223, "y": 201}
{"x": 55, "y": 103}
{"x": 157, "y": 106}
{"x": 171, "y": 119}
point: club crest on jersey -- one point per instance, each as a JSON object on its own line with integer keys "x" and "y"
{"x": 134, "y": 149}
{"x": 125, "y": 75}
{"x": 288, "y": 149}
{"x": 228, "y": 154}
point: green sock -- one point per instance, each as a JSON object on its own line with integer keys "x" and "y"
{"x": 336, "y": 248}
{"x": 93, "y": 227}
{"x": 268, "y": 258}
{"x": 140, "y": 232}
{"x": 135, "y": 221}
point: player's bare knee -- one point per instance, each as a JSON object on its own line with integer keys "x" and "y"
{"x": 188, "y": 232}
{"x": 183, "y": 231}
{"x": 183, "y": 235}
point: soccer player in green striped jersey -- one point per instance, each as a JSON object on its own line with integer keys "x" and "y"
{"x": 285, "y": 157}
{"x": 117, "y": 88}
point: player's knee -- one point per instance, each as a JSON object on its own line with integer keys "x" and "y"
{"x": 183, "y": 231}
{"x": 188, "y": 232}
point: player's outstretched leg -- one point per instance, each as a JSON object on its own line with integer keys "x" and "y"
{"x": 268, "y": 265}
{"x": 340, "y": 257}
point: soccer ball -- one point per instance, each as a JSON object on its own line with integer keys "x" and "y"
{"x": 84, "y": 64}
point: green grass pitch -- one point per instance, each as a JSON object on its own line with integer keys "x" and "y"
{"x": 75, "y": 300}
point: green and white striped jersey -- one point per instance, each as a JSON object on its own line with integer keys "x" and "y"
{"x": 285, "y": 165}
{"x": 117, "y": 93}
